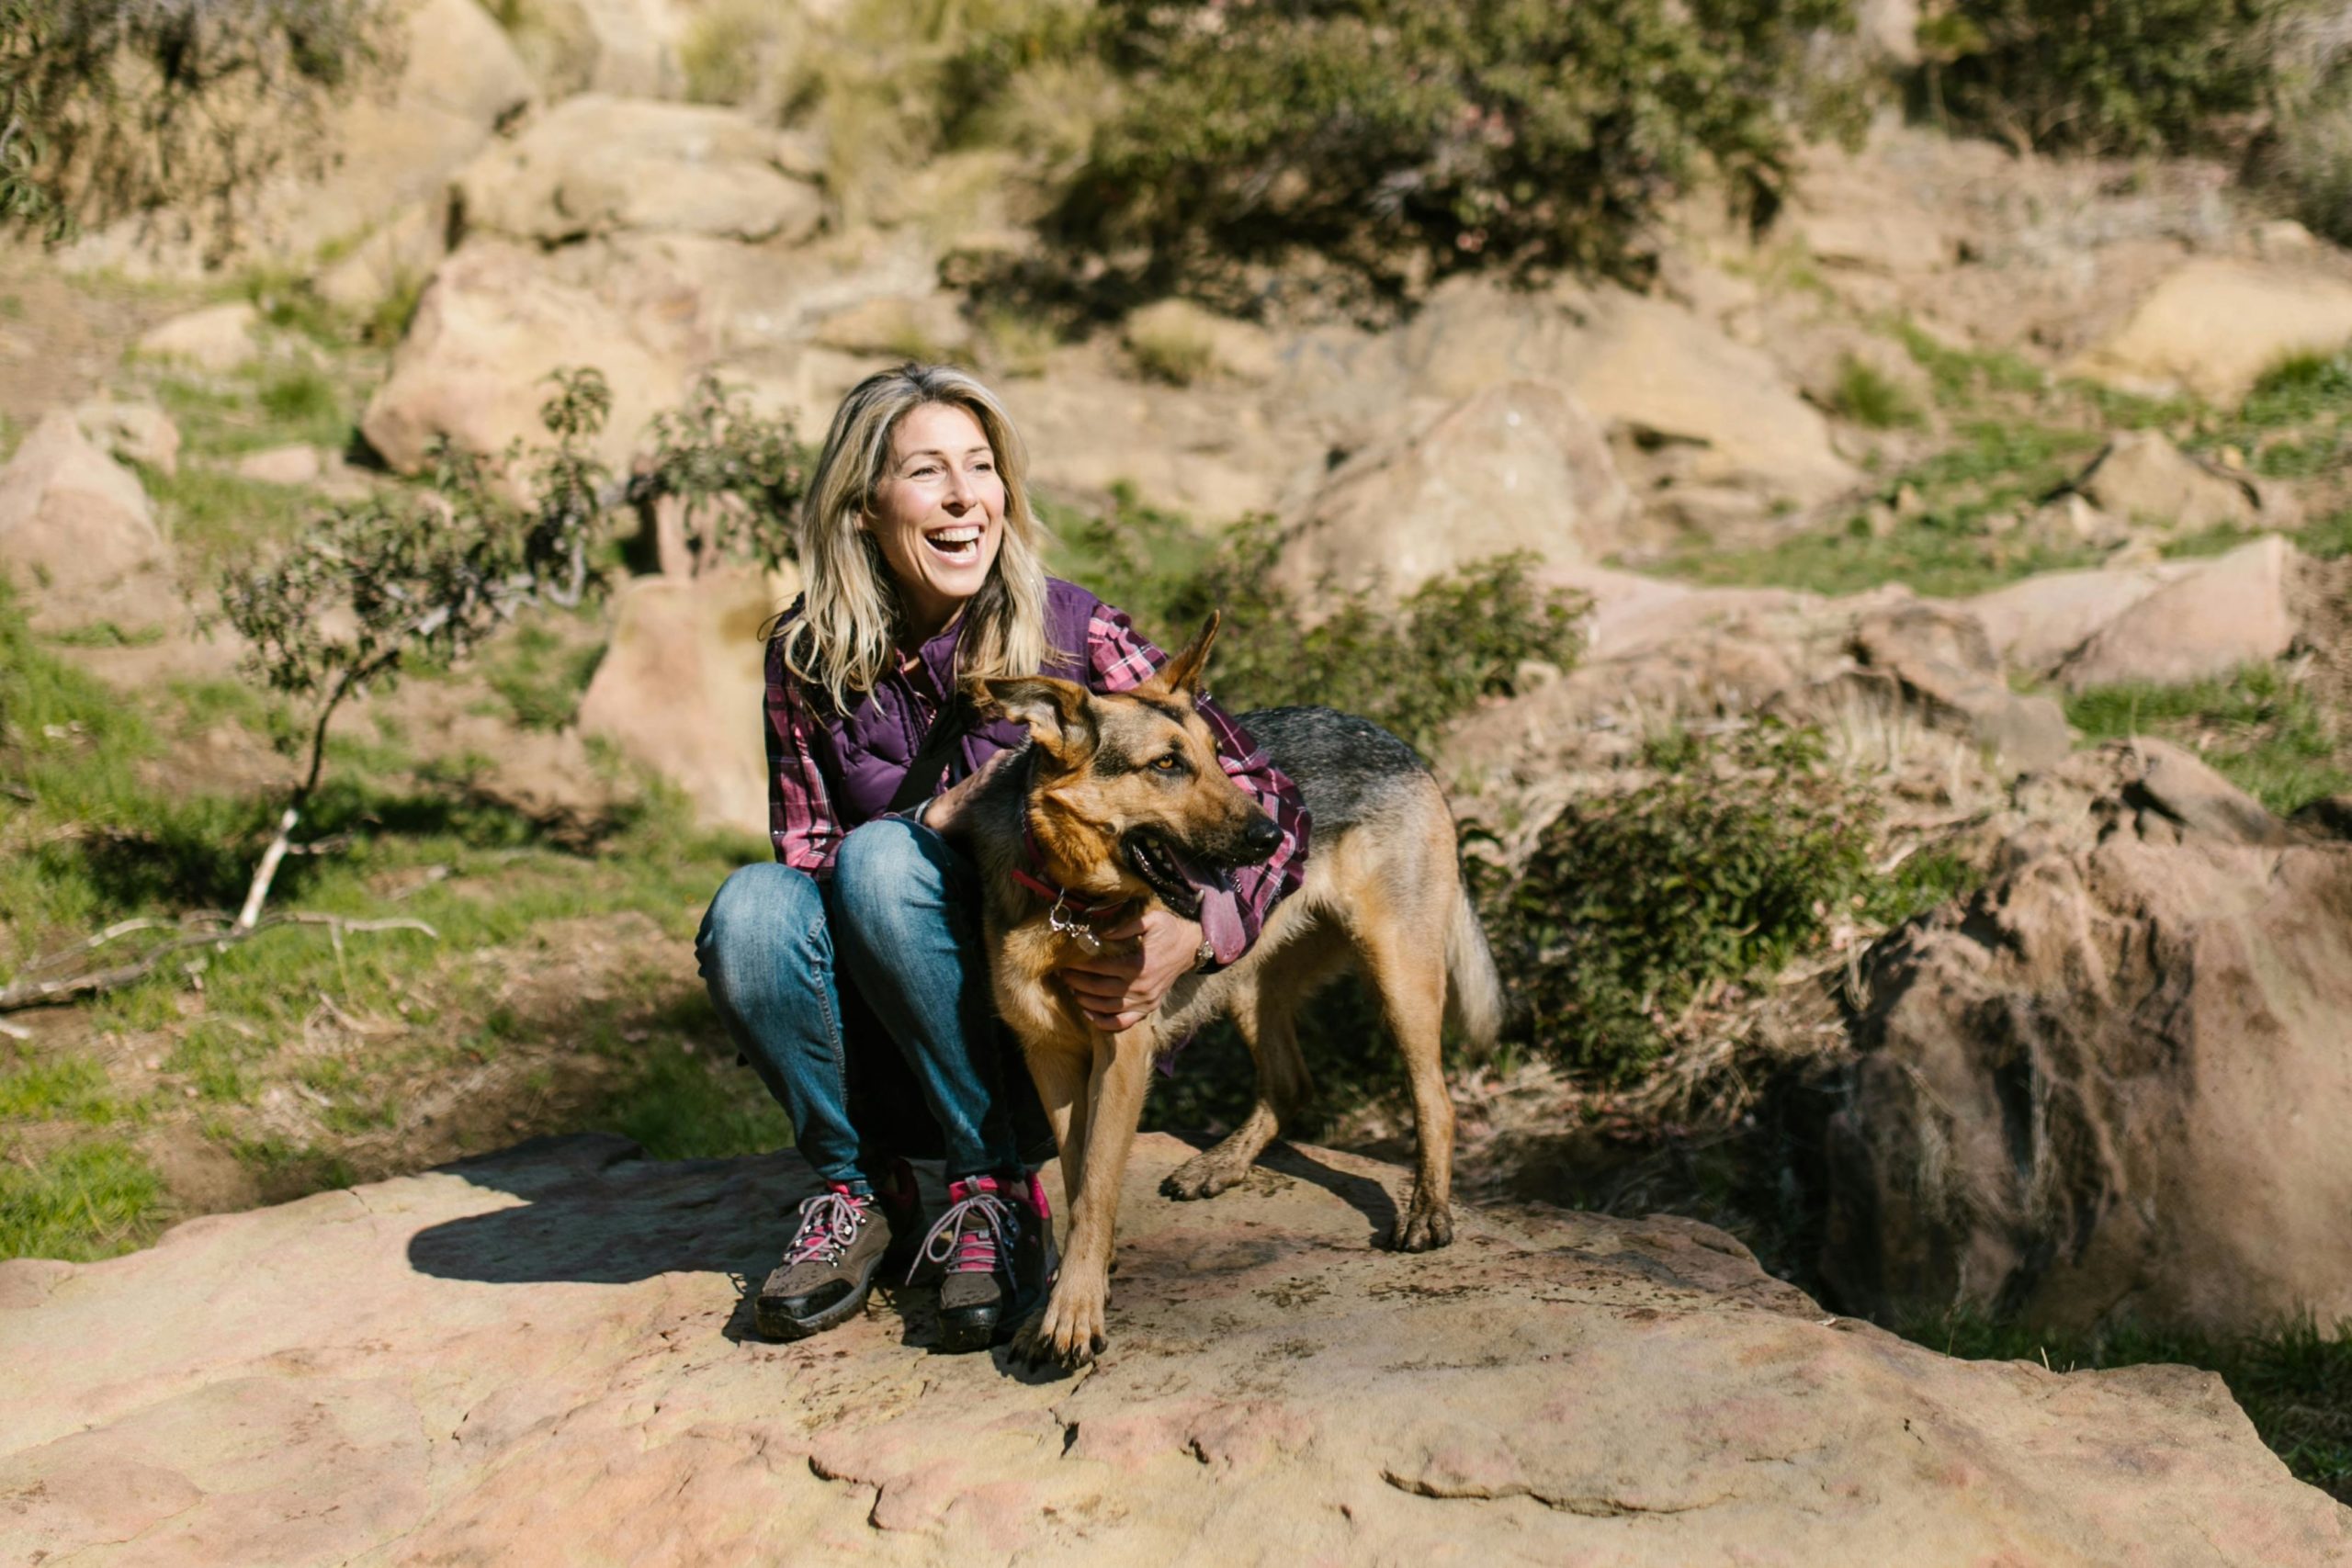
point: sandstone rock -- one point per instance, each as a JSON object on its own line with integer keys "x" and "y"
{"x": 401, "y": 253}
{"x": 2111, "y": 1086}
{"x": 896, "y": 326}
{"x": 1708, "y": 413}
{"x": 2035, "y": 624}
{"x": 2213, "y": 327}
{"x": 2142, "y": 477}
{"x": 77, "y": 533}
{"x": 516, "y": 1356}
{"x": 495, "y": 323}
{"x": 136, "y": 433}
{"x": 295, "y": 465}
{"x": 597, "y": 164}
{"x": 219, "y": 337}
{"x": 1942, "y": 665}
{"x": 680, "y": 686}
{"x": 1521, "y": 467}
{"x": 1889, "y": 29}
{"x": 2226, "y": 611}
{"x": 1222, "y": 345}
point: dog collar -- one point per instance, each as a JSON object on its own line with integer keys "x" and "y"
{"x": 1069, "y": 915}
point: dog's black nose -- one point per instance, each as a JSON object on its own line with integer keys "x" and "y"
{"x": 1261, "y": 839}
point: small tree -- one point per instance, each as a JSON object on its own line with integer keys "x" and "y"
{"x": 429, "y": 572}
{"x": 720, "y": 483}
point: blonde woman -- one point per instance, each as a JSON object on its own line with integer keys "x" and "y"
{"x": 850, "y": 971}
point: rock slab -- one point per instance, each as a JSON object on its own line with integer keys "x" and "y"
{"x": 540, "y": 1357}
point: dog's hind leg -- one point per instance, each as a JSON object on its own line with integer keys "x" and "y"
{"x": 1266, "y": 1023}
{"x": 1408, "y": 971}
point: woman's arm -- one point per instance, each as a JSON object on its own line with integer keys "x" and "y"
{"x": 1121, "y": 660}
{"x": 800, "y": 810}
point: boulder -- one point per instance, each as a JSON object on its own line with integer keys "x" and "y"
{"x": 2141, "y": 476}
{"x": 401, "y": 253}
{"x": 2229, "y": 610}
{"x": 1220, "y": 345}
{"x": 2212, "y": 327}
{"x": 1518, "y": 467}
{"x": 898, "y": 326}
{"x": 680, "y": 687}
{"x": 598, "y": 166}
{"x": 136, "y": 433}
{"x": 495, "y": 321}
{"x": 2110, "y": 1088}
{"x": 518, "y": 1356}
{"x": 1941, "y": 665}
{"x": 1706, "y": 413}
{"x": 217, "y": 338}
{"x": 295, "y": 465}
{"x": 77, "y": 533}
{"x": 2033, "y": 625}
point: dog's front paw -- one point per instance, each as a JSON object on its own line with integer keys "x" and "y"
{"x": 1068, "y": 1331}
{"x": 1423, "y": 1226}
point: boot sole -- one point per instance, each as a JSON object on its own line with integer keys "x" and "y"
{"x": 776, "y": 1323}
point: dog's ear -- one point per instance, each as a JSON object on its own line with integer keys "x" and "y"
{"x": 1184, "y": 673}
{"x": 1054, "y": 711}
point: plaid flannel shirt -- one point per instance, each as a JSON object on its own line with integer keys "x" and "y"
{"x": 808, "y": 830}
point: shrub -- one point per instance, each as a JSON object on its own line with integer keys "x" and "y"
{"x": 1401, "y": 141}
{"x": 119, "y": 106}
{"x": 1409, "y": 666}
{"x": 2099, "y": 75}
{"x": 1868, "y": 396}
{"x": 1726, "y": 862}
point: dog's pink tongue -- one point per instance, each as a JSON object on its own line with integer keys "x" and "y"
{"x": 1221, "y": 923}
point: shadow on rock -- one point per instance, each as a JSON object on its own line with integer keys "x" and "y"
{"x": 595, "y": 1210}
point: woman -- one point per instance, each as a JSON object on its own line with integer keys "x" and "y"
{"x": 851, "y": 971}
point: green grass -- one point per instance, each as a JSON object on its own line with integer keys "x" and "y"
{"x": 541, "y": 676}
{"x": 217, "y": 519}
{"x": 2294, "y": 1383}
{"x": 73, "y": 1088}
{"x": 2267, "y": 736}
{"x": 88, "y": 1200}
{"x": 1962, "y": 376}
{"x": 1869, "y": 397}
{"x": 261, "y": 406}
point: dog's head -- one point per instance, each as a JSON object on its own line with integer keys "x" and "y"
{"x": 1127, "y": 794}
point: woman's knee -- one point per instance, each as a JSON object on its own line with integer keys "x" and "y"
{"x": 761, "y": 915}
{"x": 891, "y": 875}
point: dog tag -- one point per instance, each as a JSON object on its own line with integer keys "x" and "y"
{"x": 1071, "y": 926}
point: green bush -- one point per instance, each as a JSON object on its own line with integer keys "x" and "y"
{"x": 2099, "y": 75}
{"x": 1409, "y": 666}
{"x": 1401, "y": 141}
{"x": 122, "y": 106}
{"x": 1726, "y": 862}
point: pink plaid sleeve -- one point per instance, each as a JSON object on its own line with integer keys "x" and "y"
{"x": 1122, "y": 659}
{"x": 800, "y": 812}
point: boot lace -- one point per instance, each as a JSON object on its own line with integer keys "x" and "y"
{"x": 971, "y": 1236}
{"x": 829, "y": 1222}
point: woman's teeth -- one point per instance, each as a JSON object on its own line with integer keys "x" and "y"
{"x": 960, "y": 543}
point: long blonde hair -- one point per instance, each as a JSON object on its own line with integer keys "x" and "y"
{"x": 851, "y": 616}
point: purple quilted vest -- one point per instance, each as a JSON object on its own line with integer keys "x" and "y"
{"x": 863, "y": 753}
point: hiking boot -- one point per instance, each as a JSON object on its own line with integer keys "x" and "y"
{"x": 997, "y": 1241}
{"x": 845, "y": 1239}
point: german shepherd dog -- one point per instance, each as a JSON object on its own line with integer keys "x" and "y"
{"x": 1122, "y": 798}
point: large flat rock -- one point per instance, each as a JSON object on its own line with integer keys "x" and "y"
{"x": 540, "y": 1357}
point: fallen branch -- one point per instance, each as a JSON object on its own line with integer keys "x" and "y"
{"x": 36, "y": 985}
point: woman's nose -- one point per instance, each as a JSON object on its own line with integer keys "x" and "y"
{"x": 960, "y": 491}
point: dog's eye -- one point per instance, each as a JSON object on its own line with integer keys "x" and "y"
{"x": 1170, "y": 764}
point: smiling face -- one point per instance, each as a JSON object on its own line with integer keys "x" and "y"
{"x": 938, "y": 513}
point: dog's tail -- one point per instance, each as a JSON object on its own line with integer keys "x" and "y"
{"x": 1473, "y": 991}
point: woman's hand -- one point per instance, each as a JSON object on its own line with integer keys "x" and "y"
{"x": 943, "y": 813}
{"x": 1117, "y": 992}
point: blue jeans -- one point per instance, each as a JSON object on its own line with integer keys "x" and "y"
{"x": 864, "y": 1004}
